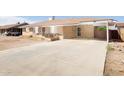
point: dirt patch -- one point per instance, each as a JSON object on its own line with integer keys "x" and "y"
{"x": 115, "y": 60}
{"x": 13, "y": 42}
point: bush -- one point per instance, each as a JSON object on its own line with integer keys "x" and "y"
{"x": 101, "y": 28}
{"x": 110, "y": 48}
{"x": 31, "y": 36}
{"x": 55, "y": 38}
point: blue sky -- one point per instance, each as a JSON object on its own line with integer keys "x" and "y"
{"x": 40, "y": 18}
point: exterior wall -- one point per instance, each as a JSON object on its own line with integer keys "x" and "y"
{"x": 69, "y": 32}
{"x": 60, "y": 30}
{"x": 31, "y": 31}
{"x": 53, "y": 29}
{"x": 87, "y": 31}
{"x": 40, "y": 30}
{"x": 56, "y": 29}
{"x": 2, "y": 31}
{"x": 121, "y": 32}
{"x": 47, "y": 30}
{"x": 36, "y": 30}
{"x": 100, "y": 34}
{"x": 26, "y": 32}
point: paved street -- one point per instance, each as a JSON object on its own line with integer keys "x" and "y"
{"x": 65, "y": 57}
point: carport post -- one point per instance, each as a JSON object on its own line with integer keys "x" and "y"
{"x": 107, "y": 28}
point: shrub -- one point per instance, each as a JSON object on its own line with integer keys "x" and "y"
{"x": 55, "y": 38}
{"x": 110, "y": 48}
{"x": 101, "y": 28}
{"x": 31, "y": 36}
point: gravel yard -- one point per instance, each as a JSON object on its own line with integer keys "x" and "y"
{"x": 115, "y": 60}
{"x": 7, "y": 42}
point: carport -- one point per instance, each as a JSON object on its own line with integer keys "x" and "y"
{"x": 103, "y": 23}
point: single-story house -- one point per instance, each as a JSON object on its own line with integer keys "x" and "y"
{"x": 73, "y": 28}
{"x": 12, "y": 29}
{"x": 93, "y": 28}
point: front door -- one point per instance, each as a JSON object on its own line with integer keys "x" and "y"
{"x": 78, "y": 32}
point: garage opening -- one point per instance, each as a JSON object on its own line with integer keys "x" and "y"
{"x": 14, "y": 32}
{"x": 114, "y": 35}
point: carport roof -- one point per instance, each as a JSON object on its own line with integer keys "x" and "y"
{"x": 12, "y": 25}
{"x": 65, "y": 21}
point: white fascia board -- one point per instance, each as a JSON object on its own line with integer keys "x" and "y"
{"x": 62, "y": 25}
{"x": 100, "y": 23}
{"x": 97, "y": 23}
{"x": 71, "y": 25}
{"x": 86, "y": 23}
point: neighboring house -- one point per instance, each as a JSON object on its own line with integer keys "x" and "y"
{"x": 71, "y": 28}
{"x": 12, "y": 29}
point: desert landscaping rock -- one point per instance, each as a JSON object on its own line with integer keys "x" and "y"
{"x": 8, "y": 42}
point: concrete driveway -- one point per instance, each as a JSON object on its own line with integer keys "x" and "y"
{"x": 65, "y": 57}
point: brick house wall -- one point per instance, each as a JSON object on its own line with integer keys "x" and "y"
{"x": 69, "y": 32}
{"x": 87, "y": 31}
